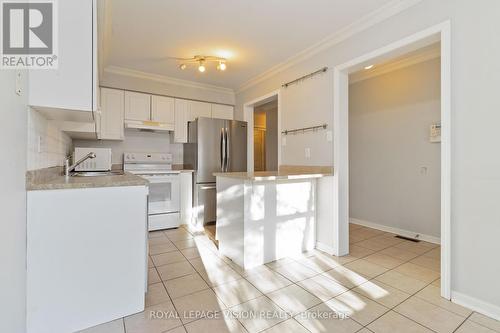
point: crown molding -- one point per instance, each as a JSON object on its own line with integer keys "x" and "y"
{"x": 165, "y": 79}
{"x": 420, "y": 57}
{"x": 362, "y": 24}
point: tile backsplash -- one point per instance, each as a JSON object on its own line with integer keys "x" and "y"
{"x": 47, "y": 144}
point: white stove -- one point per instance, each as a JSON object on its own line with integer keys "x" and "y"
{"x": 164, "y": 187}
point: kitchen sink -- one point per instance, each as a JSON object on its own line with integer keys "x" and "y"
{"x": 96, "y": 173}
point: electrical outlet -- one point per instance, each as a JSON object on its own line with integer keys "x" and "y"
{"x": 283, "y": 141}
{"x": 308, "y": 152}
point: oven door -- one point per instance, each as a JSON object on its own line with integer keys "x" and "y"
{"x": 164, "y": 193}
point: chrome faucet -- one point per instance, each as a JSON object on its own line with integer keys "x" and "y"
{"x": 68, "y": 168}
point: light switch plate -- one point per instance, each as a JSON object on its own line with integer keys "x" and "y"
{"x": 39, "y": 144}
{"x": 329, "y": 136}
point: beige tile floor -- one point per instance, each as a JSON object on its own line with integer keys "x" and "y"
{"x": 385, "y": 285}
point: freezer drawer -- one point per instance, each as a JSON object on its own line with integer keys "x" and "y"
{"x": 205, "y": 203}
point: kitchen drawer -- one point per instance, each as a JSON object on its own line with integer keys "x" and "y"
{"x": 164, "y": 221}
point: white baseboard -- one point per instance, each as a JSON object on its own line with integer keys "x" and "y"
{"x": 477, "y": 305}
{"x": 325, "y": 248}
{"x": 397, "y": 231}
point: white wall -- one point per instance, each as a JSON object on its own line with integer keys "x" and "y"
{"x": 389, "y": 119}
{"x": 13, "y": 135}
{"x": 475, "y": 163}
{"x": 155, "y": 85}
{"x": 47, "y": 145}
{"x": 137, "y": 141}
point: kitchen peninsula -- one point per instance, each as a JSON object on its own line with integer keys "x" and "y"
{"x": 265, "y": 216}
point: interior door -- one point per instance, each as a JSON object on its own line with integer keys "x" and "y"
{"x": 259, "y": 148}
{"x": 209, "y": 149}
{"x": 236, "y": 146}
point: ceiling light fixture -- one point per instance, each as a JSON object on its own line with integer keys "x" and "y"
{"x": 201, "y": 67}
{"x": 221, "y": 66}
{"x": 201, "y": 62}
{"x": 369, "y": 67}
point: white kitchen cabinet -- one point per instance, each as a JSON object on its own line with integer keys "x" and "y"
{"x": 86, "y": 263}
{"x": 112, "y": 114}
{"x": 181, "y": 107}
{"x": 199, "y": 109}
{"x": 220, "y": 111}
{"x": 137, "y": 106}
{"x": 162, "y": 109}
{"x": 69, "y": 92}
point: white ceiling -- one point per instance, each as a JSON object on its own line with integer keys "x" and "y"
{"x": 257, "y": 34}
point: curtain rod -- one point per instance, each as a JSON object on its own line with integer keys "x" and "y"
{"x": 319, "y": 71}
{"x": 312, "y": 128}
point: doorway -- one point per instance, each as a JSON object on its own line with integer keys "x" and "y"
{"x": 439, "y": 33}
{"x": 394, "y": 146}
{"x": 265, "y": 133}
{"x": 263, "y": 115}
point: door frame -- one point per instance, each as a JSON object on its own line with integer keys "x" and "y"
{"x": 248, "y": 113}
{"x": 440, "y": 32}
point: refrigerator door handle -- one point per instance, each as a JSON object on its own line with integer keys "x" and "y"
{"x": 222, "y": 150}
{"x": 228, "y": 143}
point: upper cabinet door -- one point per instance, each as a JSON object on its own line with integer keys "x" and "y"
{"x": 112, "y": 114}
{"x": 181, "y": 120}
{"x": 162, "y": 109}
{"x": 137, "y": 106}
{"x": 73, "y": 85}
{"x": 199, "y": 109}
{"x": 220, "y": 111}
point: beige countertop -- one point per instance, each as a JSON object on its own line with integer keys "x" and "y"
{"x": 52, "y": 179}
{"x": 271, "y": 175}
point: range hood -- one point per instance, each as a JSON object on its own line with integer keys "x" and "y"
{"x": 148, "y": 125}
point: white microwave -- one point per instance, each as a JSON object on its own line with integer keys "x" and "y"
{"x": 102, "y": 161}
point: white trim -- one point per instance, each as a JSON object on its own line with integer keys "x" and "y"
{"x": 248, "y": 109}
{"x": 341, "y": 162}
{"x": 325, "y": 248}
{"x": 104, "y": 30}
{"x": 363, "y": 23}
{"x": 397, "y": 231}
{"x": 429, "y": 54}
{"x": 341, "y": 139}
{"x": 487, "y": 309}
{"x": 446, "y": 160}
{"x": 165, "y": 79}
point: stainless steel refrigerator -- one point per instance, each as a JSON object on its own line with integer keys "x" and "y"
{"x": 214, "y": 145}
